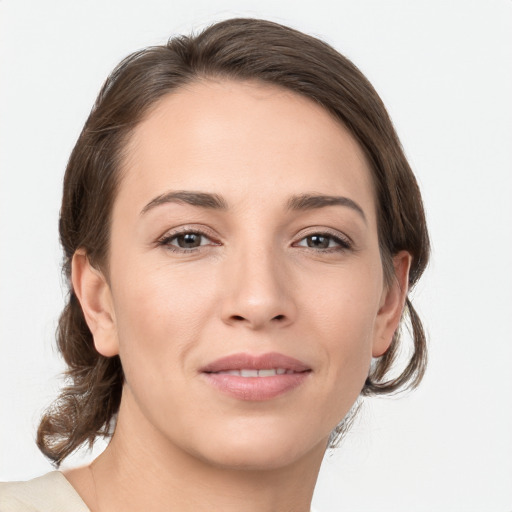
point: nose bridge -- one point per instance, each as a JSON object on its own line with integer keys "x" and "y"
{"x": 258, "y": 291}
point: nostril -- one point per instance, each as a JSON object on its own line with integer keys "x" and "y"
{"x": 257, "y": 320}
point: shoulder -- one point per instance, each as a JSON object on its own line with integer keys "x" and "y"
{"x": 47, "y": 493}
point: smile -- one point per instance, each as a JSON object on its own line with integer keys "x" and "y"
{"x": 255, "y": 377}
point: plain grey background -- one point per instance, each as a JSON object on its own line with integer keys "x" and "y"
{"x": 444, "y": 70}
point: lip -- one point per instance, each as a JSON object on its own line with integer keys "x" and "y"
{"x": 255, "y": 388}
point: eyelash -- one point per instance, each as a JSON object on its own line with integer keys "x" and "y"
{"x": 343, "y": 244}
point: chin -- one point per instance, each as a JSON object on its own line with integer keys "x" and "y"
{"x": 261, "y": 449}
{"x": 254, "y": 460}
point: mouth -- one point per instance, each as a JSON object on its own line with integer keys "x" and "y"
{"x": 256, "y": 377}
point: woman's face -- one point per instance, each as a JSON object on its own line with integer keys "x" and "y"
{"x": 244, "y": 238}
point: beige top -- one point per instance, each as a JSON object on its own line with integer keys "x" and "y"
{"x": 47, "y": 493}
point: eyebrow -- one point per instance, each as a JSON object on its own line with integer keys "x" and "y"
{"x": 201, "y": 199}
{"x": 215, "y": 202}
{"x": 315, "y": 201}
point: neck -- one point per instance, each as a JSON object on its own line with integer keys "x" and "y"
{"x": 140, "y": 467}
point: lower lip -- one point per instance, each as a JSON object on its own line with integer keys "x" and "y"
{"x": 256, "y": 389}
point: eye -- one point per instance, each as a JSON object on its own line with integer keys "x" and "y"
{"x": 185, "y": 241}
{"x": 324, "y": 241}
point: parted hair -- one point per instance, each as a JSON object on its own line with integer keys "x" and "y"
{"x": 236, "y": 49}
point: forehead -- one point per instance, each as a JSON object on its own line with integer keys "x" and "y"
{"x": 243, "y": 139}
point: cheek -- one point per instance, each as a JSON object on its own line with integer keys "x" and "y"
{"x": 345, "y": 314}
{"x": 159, "y": 315}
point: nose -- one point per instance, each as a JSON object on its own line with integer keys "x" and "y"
{"x": 257, "y": 291}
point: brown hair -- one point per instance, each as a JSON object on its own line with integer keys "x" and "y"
{"x": 237, "y": 49}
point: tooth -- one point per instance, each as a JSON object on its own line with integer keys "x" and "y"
{"x": 268, "y": 372}
{"x": 248, "y": 373}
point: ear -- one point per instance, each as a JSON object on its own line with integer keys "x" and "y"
{"x": 93, "y": 292}
{"x": 392, "y": 304}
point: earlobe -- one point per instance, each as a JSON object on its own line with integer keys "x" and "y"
{"x": 93, "y": 292}
{"x": 392, "y": 304}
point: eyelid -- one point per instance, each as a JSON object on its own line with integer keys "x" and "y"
{"x": 323, "y": 230}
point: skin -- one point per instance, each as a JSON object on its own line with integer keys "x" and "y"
{"x": 259, "y": 282}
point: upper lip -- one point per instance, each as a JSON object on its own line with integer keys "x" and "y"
{"x": 246, "y": 361}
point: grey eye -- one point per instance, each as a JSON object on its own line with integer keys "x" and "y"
{"x": 189, "y": 240}
{"x": 318, "y": 241}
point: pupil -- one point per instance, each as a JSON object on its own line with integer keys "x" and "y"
{"x": 189, "y": 240}
{"x": 318, "y": 241}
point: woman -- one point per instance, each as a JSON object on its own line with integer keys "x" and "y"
{"x": 241, "y": 230}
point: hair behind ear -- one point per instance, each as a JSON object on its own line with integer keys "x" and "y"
{"x": 85, "y": 407}
{"x": 413, "y": 373}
